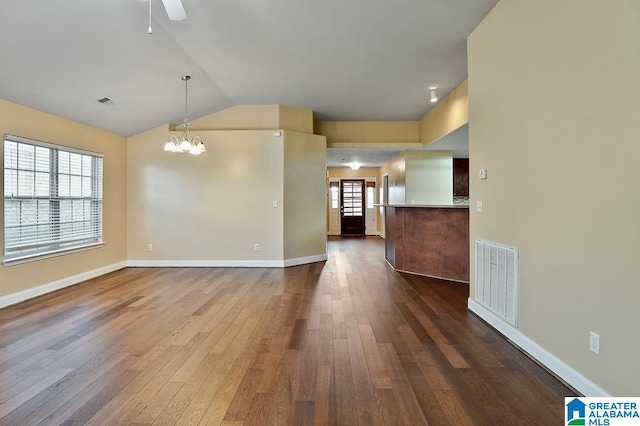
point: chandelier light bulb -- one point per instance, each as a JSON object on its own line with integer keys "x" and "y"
{"x": 185, "y": 145}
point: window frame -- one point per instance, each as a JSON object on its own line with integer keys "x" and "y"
{"x": 370, "y": 194}
{"x": 59, "y": 242}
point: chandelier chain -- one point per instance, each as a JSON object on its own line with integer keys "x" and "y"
{"x": 186, "y": 94}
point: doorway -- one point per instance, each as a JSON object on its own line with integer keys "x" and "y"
{"x": 352, "y": 207}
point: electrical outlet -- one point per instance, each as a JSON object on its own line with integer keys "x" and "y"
{"x": 256, "y": 247}
{"x": 150, "y": 247}
{"x": 594, "y": 342}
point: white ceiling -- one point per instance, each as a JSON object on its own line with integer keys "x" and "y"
{"x": 456, "y": 141}
{"x": 346, "y": 60}
{"x": 366, "y": 157}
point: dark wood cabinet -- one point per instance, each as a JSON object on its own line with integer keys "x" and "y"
{"x": 431, "y": 241}
{"x": 461, "y": 177}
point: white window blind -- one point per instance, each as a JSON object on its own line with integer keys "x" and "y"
{"x": 371, "y": 194}
{"x": 335, "y": 189}
{"x": 52, "y": 199}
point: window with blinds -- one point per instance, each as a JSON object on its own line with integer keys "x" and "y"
{"x": 335, "y": 189}
{"x": 52, "y": 199}
{"x": 371, "y": 194}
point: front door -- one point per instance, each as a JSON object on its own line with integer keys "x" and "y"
{"x": 352, "y": 207}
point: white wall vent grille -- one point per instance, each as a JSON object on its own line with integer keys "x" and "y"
{"x": 497, "y": 280}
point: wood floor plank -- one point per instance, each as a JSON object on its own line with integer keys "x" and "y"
{"x": 377, "y": 369}
{"x": 302, "y": 413}
{"x": 282, "y": 405}
{"x": 325, "y": 340}
{"x": 345, "y": 397}
{"x": 305, "y": 386}
{"x": 347, "y": 341}
{"x": 188, "y": 391}
{"x": 259, "y": 410}
{"x": 221, "y": 401}
{"x": 363, "y": 390}
{"x": 156, "y": 406}
{"x": 247, "y": 390}
{"x": 325, "y": 398}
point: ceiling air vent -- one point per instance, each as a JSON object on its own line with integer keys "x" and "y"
{"x": 104, "y": 100}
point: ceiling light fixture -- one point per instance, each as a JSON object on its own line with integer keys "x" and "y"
{"x": 434, "y": 97}
{"x": 191, "y": 145}
{"x": 355, "y": 166}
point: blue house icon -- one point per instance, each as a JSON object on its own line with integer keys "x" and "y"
{"x": 575, "y": 408}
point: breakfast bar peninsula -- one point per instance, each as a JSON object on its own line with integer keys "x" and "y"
{"x": 428, "y": 240}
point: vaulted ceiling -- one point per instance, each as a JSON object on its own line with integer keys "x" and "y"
{"x": 345, "y": 60}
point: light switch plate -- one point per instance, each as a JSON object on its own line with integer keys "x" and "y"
{"x": 479, "y": 206}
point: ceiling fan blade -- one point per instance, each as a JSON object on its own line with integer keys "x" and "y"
{"x": 174, "y": 10}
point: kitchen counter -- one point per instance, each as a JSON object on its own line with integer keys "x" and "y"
{"x": 428, "y": 240}
{"x": 431, "y": 206}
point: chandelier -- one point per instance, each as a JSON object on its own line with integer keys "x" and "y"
{"x": 194, "y": 145}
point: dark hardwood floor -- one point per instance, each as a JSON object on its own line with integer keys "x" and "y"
{"x": 348, "y": 342}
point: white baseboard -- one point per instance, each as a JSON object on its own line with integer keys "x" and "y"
{"x": 21, "y": 296}
{"x": 304, "y": 260}
{"x": 205, "y": 263}
{"x": 380, "y": 234}
{"x": 225, "y": 263}
{"x": 544, "y": 357}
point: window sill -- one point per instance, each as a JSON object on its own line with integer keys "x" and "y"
{"x": 36, "y": 257}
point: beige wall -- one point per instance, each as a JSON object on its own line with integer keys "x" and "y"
{"x": 241, "y": 117}
{"x": 21, "y": 121}
{"x": 429, "y": 177}
{"x": 296, "y": 119}
{"x": 211, "y": 207}
{"x": 369, "y": 134}
{"x": 553, "y": 91}
{"x": 216, "y": 206}
{"x": 348, "y": 173}
{"x": 426, "y": 177}
{"x": 257, "y": 117}
{"x": 396, "y": 169}
{"x": 305, "y": 162}
{"x": 449, "y": 114}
